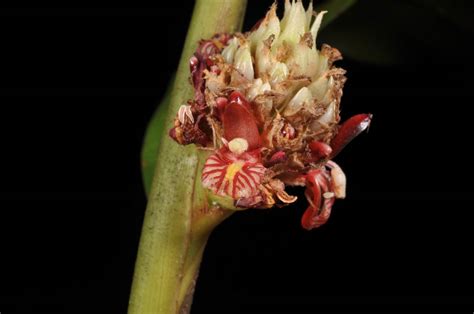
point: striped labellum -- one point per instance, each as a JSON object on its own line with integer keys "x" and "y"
{"x": 236, "y": 176}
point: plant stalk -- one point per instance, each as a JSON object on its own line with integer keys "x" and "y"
{"x": 179, "y": 219}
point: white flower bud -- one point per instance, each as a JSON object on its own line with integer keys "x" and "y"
{"x": 257, "y": 88}
{"x": 268, "y": 27}
{"x": 319, "y": 87}
{"x": 243, "y": 61}
{"x": 303, "y": 61}
{"x": 327, "y": 118}
{"x": 263, "y": 59}
{"x": 297, "y": 102}
{"x": 278, "y": 73}
{"x": 293, "y": 24}
{"x": 316, "y": 25}
{"x": 309, "y": 15}
{"x": 229, "y": 51}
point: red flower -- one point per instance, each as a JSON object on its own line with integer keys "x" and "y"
{"x": 267, "y": 103}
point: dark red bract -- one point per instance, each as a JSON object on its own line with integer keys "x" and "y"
{"x": 348, "y": 130}
{"x": 239, "y": 122}
{"x": 319, "y": 150}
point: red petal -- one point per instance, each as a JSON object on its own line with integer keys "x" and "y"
{"x": 317, "y": 183}
{"x": 238, "y": 98}
{"x": 278, "y": 157}
{"x": 221, "y": 103}
{"x": 307, "y": 219}
{"x": 348, "y": 130}
{"x": 313, "y": 218}
{"x": 320, "y": 150}
{"x": 239, "y": 122}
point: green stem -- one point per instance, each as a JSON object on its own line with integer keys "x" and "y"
{"x": 178, "y": 218}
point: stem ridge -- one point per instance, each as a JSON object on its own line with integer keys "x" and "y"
{"x": 178, "y": 219}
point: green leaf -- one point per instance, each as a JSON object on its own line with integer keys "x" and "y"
{"x": 335, "y": 8}
{"x": 155, "y": 131}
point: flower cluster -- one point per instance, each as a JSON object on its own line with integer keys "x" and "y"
{"x": 267, "y": 103}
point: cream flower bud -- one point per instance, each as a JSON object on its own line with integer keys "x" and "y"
{"x": 263, "y": 58}
{"x": 293, "y": 24}
{"x": 229, "y": 51}
{"x": 304, "y": 60}
{"x": 309, "y": 14}
{"x": 268, "y": 27}
{"x": 243, "y": 61}
{"x": 327, "y": 118}
{"x": 278, "y": 73}
{"x": 298, "y": 101}
{"x": 319, "y": 87}
{"x": 257, "y": 88}
{"x": 317, "y": 24}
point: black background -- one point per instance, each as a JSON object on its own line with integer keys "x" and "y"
{"x": 78, "y": 87}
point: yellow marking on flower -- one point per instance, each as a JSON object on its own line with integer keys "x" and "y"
{"x": 233, "y": 169}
